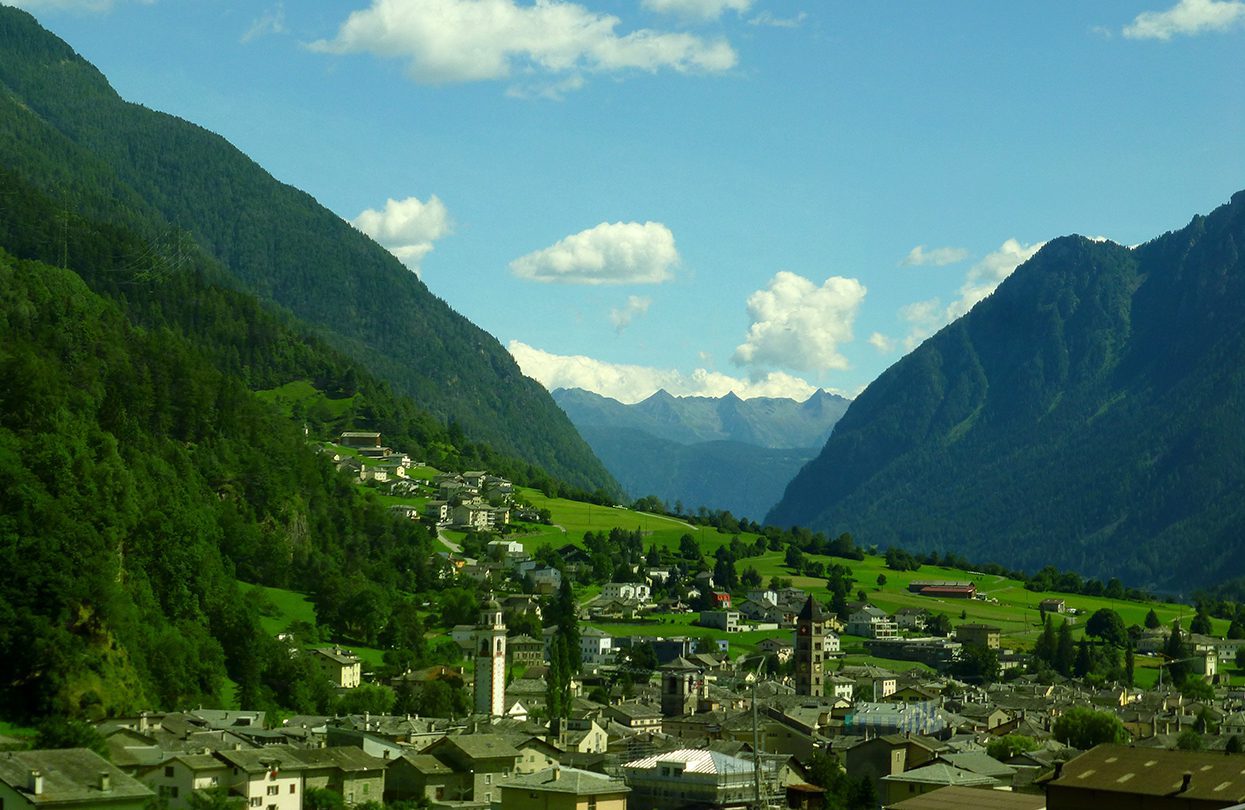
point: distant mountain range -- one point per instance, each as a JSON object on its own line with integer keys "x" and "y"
{"x": 1089, "y": 414}
{"x": 717, "y": 452}
{"x": 65, "y": 132}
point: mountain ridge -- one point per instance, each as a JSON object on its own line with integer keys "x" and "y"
{"x": 717, "y": 452}
{"x": 66, "y": 131}
{"x": 1076, "y": 416}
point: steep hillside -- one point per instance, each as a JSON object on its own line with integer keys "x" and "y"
{"x": 64, "y": 130}
{"x": 137, "y": 481}
{"x": 1087, "y": 414}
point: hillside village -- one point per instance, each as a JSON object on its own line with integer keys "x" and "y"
{"x": 679, "y": 711}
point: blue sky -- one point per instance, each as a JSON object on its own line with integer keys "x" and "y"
{"x": 706, "y": 195}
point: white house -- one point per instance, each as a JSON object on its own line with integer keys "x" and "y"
{"x": 627, "y": 590}
{"x": 595, "y": 646}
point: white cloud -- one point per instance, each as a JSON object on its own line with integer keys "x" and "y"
{"x": 630, "y": 383}
{"x": 449, "y": 41}
{"x": 939, "y": 257}
{"x": 924, "y": 318}
{"x": 768, "y": 19}
{"x": 1187, "y": 17}
{"x": 407, "y": 228}
{"x": 697, "y": 9}
{"x": 637, "y": 305}
{"x": 270, "y": 22}
{"x": 988, "y": 273}
{"x": 610, "y": 253}
{"x": 882, "y": 343}
{"x": 796, "y": 324}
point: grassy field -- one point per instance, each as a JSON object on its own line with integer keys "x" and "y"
{"x": 1007, "y": 604}
{"x": 291, "y": 607}
{"x": 303, "y": 393}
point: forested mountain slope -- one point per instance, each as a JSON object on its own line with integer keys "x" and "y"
{"x": 1087, "y": 414}
{"x": 136, "y": 482}
{"x": 65, "y": 131}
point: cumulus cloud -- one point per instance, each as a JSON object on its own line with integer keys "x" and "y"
{"x": 939, "y": 257}
{"x": 924, "y": 318}
{"x": 697, "y": 9}
{"x": 270, "y": 22}
{"x": 637, "y": 305}
{"x": 451, "y": 41}
{"x": 610, "y": 253}
{"x": 988, "y": 273}
{"x": 882, "y": 343}
{"x": 631, "y": 383}
{"x": 1187, "y": 17}
{"x": 796, "y": 324}
{"x": 407, "y": 228}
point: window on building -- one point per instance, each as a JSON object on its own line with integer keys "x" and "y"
{"x": 168, "y": 770}
{"x": 257, "y": 802}
{"x": 291, "y": 787}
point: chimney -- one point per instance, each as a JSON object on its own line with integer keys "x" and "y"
{"x": 35, "y": 783}
{"x": 105, "y": 781}
{"x": 1058, "y": 768}
{"x": 1185, "y": 780}
{"x": 557, "y": 773}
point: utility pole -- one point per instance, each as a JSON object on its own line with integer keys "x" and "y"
{"x": 756, "y": 739}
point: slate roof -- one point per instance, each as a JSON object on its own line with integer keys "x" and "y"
{"x": 70, "y": 775}
{"x": 958, "y": 798}
{"x": 811, "y": 611}
{"x": 940, "y": 773}
{"x": 1149, "y": 772}
{"x": 567, "y": 780}
{"x": 345, "y": 757}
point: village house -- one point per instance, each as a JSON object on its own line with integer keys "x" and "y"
{"x": 175, "y": 779}
{"x": 982, "y": 635}
{"x": 638, "y": 591}
{"x": 872, "y": 622}
{"x": 271, "y": 778}
{"x": 727, "y": 620}
{"x": 489, "y": 761}
{"x": 342, "y": 667}
{"x": 69, "y": 777}
{"x": 561, "y": 788}
{"x": 351, "y": 773}
{"x": 411, "y": 777}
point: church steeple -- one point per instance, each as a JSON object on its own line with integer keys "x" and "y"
{"x": 490, "y": 670}
{"x": 810, "y": 650}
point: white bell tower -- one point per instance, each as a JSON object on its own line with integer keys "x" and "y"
{"x": 490, "y": 682}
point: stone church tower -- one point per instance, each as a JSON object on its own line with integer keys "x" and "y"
{"x": 490, "y": 680}
{"x": 810, "y": 650}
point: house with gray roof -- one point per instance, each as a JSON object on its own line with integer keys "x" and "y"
{"x": 70, "y": 777}
{"x": 560, "y": 788}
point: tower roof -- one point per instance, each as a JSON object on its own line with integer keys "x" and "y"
{"x": 811, "y": 612}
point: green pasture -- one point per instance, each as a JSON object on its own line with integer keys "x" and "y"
{"x": 291, "y": 607}
{"x": 575, "y": 518}
{"x": 302, "y": 392}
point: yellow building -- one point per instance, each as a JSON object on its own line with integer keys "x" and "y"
{"x": 560, "y": 788}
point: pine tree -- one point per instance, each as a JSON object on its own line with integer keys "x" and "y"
{"x": 1065, "y": 650}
